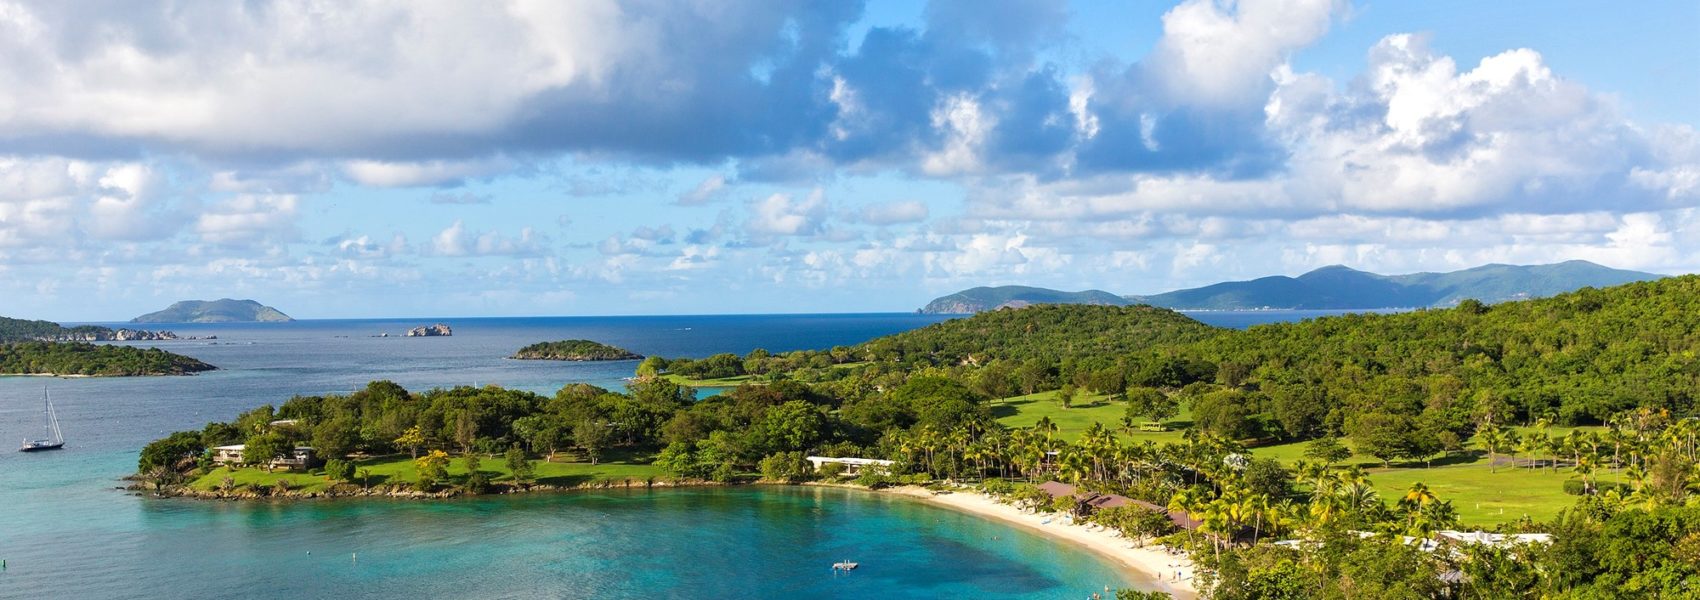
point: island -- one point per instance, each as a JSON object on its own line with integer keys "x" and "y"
{"x": 81, "y": 359}
{"x": 574, "y": 350}
{"x": 224, "y": 310}
{"x": 438, "y": 330}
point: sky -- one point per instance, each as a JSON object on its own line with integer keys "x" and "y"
{"x": 426, "y": 158}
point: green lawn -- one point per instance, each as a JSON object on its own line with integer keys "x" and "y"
{"x": 1482, "y": 498}
{"x": 1088, "y": 408}
{"x": 400, "y": 469}
{"x": 725, "y": 382}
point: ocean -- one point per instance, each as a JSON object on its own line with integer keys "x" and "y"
{"x": 66, "y": 532}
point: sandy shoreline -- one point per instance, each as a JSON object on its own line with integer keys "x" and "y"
{"x": 1151, "y": 566}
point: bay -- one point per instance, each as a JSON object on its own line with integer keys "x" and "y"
{"x": 65, "y": 532}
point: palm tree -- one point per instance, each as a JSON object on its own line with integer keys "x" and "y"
{"x": 1531, "y": 445}
{"x": 1046, "y": 426}
{"x": 1493, "y": 438}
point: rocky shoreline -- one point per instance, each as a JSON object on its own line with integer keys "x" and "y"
{"x": 120, "y": 335}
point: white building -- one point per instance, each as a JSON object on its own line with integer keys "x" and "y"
{"x": 301, "y": 457}
{"x": 852, "y": 466}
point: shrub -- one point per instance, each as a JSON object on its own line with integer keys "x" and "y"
{"x": 831, "y": 470}
{"x": 1575, "y": 487}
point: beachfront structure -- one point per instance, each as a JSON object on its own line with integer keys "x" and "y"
{"x": 1086, "y": 503}
{"x": 301, "y": 457}
{"x": 852, "y": 466}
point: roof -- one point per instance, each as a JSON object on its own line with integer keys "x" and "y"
{"x": 1109, "y": 501}
{"x": 1178, "y": 517}
{"x": 232, "y": 447}
{"x": 1057, "y": 489}
{"x": 851, "y": 461}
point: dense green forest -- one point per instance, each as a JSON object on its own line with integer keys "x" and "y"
{"x": 575, "y": 350}
{"x": 78, "y": 358}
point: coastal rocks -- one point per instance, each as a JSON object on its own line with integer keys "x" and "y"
{"x": 431, "y": 331}
{"x": 119, "y": 335}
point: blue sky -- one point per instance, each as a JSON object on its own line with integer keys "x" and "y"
{"x": 542, "y": 158}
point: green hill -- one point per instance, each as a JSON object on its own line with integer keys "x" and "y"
{"x": 216, "y": 311}
{"x": 1334, "y": 287}
{"x": 1339, "y": 287}
{"x": 1015, "y": 296}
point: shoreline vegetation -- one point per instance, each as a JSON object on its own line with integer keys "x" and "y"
{"x": 574, "y": 350}
{"x": 1319, "y": 458}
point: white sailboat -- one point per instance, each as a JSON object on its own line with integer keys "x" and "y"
{"x": 49, "y": 427}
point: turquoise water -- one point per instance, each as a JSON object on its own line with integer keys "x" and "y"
{"x": 689, "y": 543}
{"x": 65, "y": 532}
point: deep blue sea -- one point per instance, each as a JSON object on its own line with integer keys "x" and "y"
{"x": 65, "y": 532}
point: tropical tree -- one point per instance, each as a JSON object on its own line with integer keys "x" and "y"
{"x": 411, "y": 439}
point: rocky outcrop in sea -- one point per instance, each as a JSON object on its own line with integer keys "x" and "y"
{"x": 430, "y": 331}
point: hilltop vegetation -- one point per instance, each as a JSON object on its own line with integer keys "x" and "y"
{"x": 224, "y": 310}
{"x": 77, "y": 358}
{"x": 574, "y": 350}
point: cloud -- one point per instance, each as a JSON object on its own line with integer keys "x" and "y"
{"x": 457, "y": 241}
{"x": 781, "y": 215}
{"x": 1219, "y": 54}
{"x": 425, "y": 173}
{"x": 705, "y": 191}
{"x": 250, "y": 220}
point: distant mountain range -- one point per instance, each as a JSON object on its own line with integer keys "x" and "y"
{"x": 223, "y": 310}
{"x": 1327, "y": 288}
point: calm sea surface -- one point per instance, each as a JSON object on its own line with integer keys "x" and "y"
{"x": 65, "y": 532}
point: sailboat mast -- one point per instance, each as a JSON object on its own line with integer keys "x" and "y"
{"x": 53, "y": 417}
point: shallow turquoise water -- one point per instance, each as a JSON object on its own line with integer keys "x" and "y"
{"x": 689, "y": 543}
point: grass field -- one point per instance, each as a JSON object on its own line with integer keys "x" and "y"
{"x": 1482, "y": 498}
{"x": 1087, "y": 408}
{"x": 399, "y": 469}
{"x": 723, "y": 382}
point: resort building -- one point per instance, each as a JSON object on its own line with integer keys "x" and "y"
{"x": 852, "y": 466}
{"x": 1086, "y": 503}
{"x": 301, "y": 457}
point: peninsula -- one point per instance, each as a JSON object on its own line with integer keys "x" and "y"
{"x": 224, "y": 310}
{"x": 574, "y": 350}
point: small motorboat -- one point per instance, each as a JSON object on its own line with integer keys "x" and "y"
{"x": 845, "y": 566}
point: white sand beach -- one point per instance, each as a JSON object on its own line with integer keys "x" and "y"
{"x": 1152, "y": 566}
